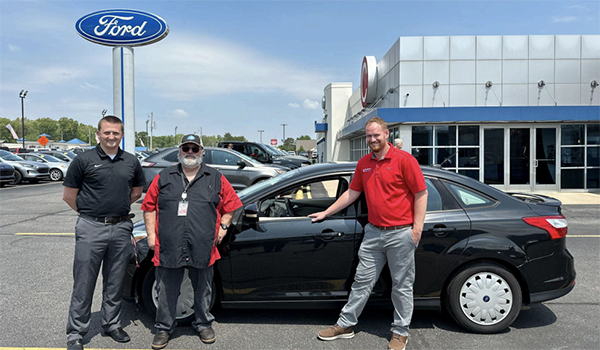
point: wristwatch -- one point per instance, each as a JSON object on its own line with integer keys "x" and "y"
{"x": 224, "y": 227}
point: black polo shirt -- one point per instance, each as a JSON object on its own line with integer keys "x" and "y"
{"x": 104, "y": 184}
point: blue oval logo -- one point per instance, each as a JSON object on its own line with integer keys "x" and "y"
{"x": 122, "y": 27}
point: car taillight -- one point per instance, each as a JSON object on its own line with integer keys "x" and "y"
{"x": 147, "y": 164}
{"x": 556, "y": 226}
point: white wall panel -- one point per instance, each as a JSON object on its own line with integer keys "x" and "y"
{"x": 462, "y": 95}
{"x": 411, "y": 48}
{"x": 515, "y": 47}
{"x": 489, "y": 70}
{"x": 414, "y": 98}
{"x": 541, "y": 70}
{"x": 567, "y": 94}
{"x": 568, "y": 71}
{"x": 435, "y": 97}
{"x": 590, "y": 70}
{"x": 589, "y": 97}
{"x": 590, "y": 46}
{"x": 436, "y": 48}
{"x": 486, "y": 97}
{"x": 568, "y": 46}
{"x": 411, "y": 73}
{"x": 514, "y": 71}
{"x": 462, "y": 47}
{"x": 514, "y": 95}
{"x": 541, "y": 97}
{"x": 436, "y": 70}
{"x": 489, "y": 47}
{"x": 541, "y": 46}
{"x": 462, "y": 72}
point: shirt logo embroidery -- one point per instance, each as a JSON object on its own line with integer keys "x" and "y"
{"x": 366, "y": 170}
{"x": 97, "y": 165}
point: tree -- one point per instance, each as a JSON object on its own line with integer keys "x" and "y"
{"x": 304, "y": 137}
{"x": 289, "y": 144}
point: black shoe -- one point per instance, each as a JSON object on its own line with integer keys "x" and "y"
{"x": 207, "y": 335}
{"x": 161, "y": 339}
{"x": 74, "y": 345}
{"x": 119, "y": 335}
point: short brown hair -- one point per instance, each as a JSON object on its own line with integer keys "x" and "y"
{"x": 379, "y": 121}
{"x": 112, "y": 120}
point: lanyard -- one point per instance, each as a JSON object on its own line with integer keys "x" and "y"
{"x": 185, "y": 187}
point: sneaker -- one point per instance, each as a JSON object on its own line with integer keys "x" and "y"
{"x": 74, "y": 345}
{"x": 398, "y": 342}
{"x": 207, "y": 335}
{"x": 161, "y": 339}
{"x": 336, "y": 332}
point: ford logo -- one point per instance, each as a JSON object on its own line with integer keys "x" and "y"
{"x": 122, "y": 27}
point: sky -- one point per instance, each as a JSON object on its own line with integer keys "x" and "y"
{"x": 238, "y": 66}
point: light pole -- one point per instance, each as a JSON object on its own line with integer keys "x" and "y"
{"x": 261, "y": 131}
{"x": 22, "y": 95}
{"x": 283, "y": 141}
{"x": 175, "y": 135}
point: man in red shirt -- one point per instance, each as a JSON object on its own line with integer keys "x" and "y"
{"x": 396, "y": 196}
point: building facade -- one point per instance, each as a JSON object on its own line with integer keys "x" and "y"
{"x": 521, "y": 113}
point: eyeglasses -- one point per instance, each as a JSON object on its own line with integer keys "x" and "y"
{"x": 186, "y": 149}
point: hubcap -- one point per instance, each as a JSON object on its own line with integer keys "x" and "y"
{"x": 55, "y": 175}
{"x": 486, "y": 298}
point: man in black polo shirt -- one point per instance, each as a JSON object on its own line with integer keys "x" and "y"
{"x": 196, "y": 205}
{"x": 100, "y": 186}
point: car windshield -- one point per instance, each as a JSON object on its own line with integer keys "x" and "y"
{"x": 9, "y": 156}
{"x": 50, "y": 158}
{"x": 265, "y": 184}
{"x": 274, "y": 151}
{"x": 246, "y": 158}
{"x": 70, "y": 154}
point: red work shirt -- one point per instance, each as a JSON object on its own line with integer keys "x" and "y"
{"x": 389, "y": 185}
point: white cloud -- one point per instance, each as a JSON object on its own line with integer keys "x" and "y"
{"x": 308, "y": 104}
{"x": 576, "y": 7}
{"x": 294, "y": 105}
{"x": 13, "y": 48}
{"x": 88, "y": 86}
{"x": 196, "y": 67}
{"x": 564, "y": 19}
{"x": 178, "y": 113}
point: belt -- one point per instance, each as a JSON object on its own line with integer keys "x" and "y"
{"x": 110, "y": 220}
{"x": 391, "y": 228}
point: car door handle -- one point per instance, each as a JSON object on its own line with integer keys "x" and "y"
{"x": 441, "y": 231}
{"x": 328, "y": 235}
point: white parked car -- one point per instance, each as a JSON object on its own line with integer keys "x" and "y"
{"x": 58, "y": 168}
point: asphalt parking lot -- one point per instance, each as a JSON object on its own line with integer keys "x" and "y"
{"x": 35, "y": 284}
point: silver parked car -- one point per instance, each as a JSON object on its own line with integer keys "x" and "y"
{"x": 58, "y": 168}
{"x": 25, "y": 170}
{"x": 239, "y": 169}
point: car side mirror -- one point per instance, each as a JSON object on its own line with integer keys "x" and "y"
{"x": 251, "y": 211}
{"x": 241, "y": 164}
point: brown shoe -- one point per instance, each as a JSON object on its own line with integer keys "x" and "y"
{"x": 336, "y": 332}
{"x": 398, "y": 342}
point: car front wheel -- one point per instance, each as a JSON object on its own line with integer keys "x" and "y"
{"x": 185, "y": 302}
{"x": 18, "y": 178}
{"x": 484, "y": 298}
{"x": 56, "y": 175}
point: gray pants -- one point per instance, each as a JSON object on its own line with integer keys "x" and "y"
{"x": 398, "y": 249}
{"x": 98, "y": 244}
{"x": 168, "y": 283}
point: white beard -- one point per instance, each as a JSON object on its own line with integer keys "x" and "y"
{"x": 189, "y": 163}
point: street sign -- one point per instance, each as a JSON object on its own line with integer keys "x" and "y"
{"x": 274, "y": 142}
{"x": 43, "y": 141}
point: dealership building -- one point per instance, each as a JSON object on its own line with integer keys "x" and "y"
{"x": 520, "y": 113}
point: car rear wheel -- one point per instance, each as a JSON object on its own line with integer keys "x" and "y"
{"x": 56, "y": 175}
{"x": 185, "y": 302}
{"x": 484, "y": 298}
{"x": 18, "y": 178}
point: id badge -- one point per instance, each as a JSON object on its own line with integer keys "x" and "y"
{"x": 182, "y": 209}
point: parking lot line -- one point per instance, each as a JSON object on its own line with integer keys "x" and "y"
{"x": 584, "y": 236}
{"x": 18, "y": 348}
{"x": 43, "y": 234}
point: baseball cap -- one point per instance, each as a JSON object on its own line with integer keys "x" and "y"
{"x": 191, "y": 138}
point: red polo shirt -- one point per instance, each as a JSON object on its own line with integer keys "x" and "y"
{"x": 389, "y": 185}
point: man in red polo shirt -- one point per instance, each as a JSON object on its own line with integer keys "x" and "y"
{"x": 396, "y": 195}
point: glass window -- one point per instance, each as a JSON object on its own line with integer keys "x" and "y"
{"x": 422, "y": 135}
{"x": 445, "y": 135}
{"x": 224, "y": 158}
{"x": 424, "y": 155}
{"x": 468, "y": 157}
{"x": 493, "y": 156}
{"x": 468, "y": 135}
{"x": 593, "y": 134}
{"x": 572, "y": 134}
{"x": 446, "y": 157}
{"x": 593, "y": 156}
{"x": 434, "y": 199}
{"x": 572, "y": 156}
{"x": 469, "y": 198}
{"x": 593, "y": 178}
{"x": 172, "y": 156}
{"x": 474, "y": 174}
{"x": 572, "y": 178}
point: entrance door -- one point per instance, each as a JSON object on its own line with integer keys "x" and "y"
{"x": 544, "y": 164}
{"x": 493, "y": 157}
{"x": 519, "y": 143}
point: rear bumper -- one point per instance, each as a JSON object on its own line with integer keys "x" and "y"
{"x": 552, "y": 294}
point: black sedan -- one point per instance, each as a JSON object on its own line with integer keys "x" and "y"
{"x": 484, "y": 254}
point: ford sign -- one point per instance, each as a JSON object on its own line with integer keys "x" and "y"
{"x": 122, "y": 27}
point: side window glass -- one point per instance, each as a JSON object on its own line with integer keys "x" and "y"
{"x": 172, "y": 157}
{"x": 257, "y": 153}
{"x": 468, "y": 198}
{"x": 434, "y": 199}
{"x": 223, "y": 158}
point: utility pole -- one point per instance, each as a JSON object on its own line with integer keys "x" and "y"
{"x": 175, "y": 135}
{"x": 261, "y": 131}
{"x": 152, "y": 126}
{"x": 283, "y": 141}
{"x": 22, "y": 95}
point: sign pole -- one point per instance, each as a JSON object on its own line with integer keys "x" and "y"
{"x": 124, "y": 95}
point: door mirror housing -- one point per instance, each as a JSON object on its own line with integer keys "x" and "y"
{"x": 241, "y": 164}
